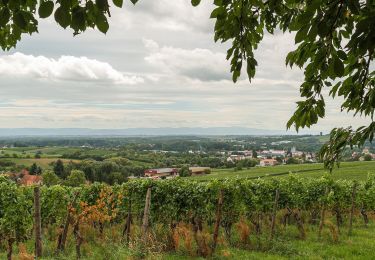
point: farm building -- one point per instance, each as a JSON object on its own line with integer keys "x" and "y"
{"x": 161, "y": 172}
{"x": 199, "y": 170}
{"x": 268, "y": 162}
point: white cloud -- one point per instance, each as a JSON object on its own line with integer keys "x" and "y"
{"x": 202, "y": 64}
{"x": 65, "y": 68}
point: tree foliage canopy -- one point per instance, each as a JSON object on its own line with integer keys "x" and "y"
{"x": 335, "y": 47}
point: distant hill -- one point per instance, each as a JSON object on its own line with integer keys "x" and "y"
{"x": 9, "y": 132}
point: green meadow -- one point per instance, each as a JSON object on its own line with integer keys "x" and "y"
{"x": 347, "y": 170}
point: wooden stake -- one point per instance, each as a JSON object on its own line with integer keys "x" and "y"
{"x": 354, "y": 191}
{"x": 37, "y": 223}
{"x": 322, "y": 215}
{"x": 146, "y": 213}
{"x": 218, "y": 220}
{"x": 338, "y": 219}
{"x": 273, "y": 221}
{"x": 79, "y": 239}
{"x": 10, "y": 248}
{"x": 126, "y": 231}
{"x": 299, "y": 222}
{"x": 364, "y": 215}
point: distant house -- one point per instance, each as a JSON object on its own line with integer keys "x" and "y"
{"x": 247, "y": 153}
{"x": 354, "y": 155}
{"x": 278, "y": 153}
{"x": 297, "y": 154}
{"x": 365, "y": 151}
{"x": 199, "y": 170}
{"x": 161, "y": 172}
{"x": 229, "y": 159}
{"x": 271, "y": 153}
{"x": 240, "y": 155}
{"x": 236, "y": 157}
{"x": 268, "y": 162}
{"x": 310, "y": 157}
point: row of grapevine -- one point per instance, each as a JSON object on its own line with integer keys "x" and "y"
{"x": 213, "y": 204}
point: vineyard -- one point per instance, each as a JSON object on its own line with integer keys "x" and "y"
{"x": 189, "y": 217}
{"x": 347, "y": 170}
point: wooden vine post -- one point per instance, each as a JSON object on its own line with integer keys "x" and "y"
{"x": 354, "y": 191}
{"x": 273, "y": 221}
{"x": 146, "y": 214}
{"x": 218, "y": 219}
{"x": 78, "y": 237}
{"x": 10, "y": 248}
{"x": 37, "y": 223}
{"x": 322, "y": 214}
{"x": 364, "y": 215}
{"x": 62, "y": 237}
{"x": 126, "y": 232}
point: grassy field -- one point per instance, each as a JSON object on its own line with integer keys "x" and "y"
{"x": 53, "y": 152}
{"x": 42, "y": 162}
{"x": 23, "y": 152}
{"x": 287, "y": 245}
{"x": 360, "y": 245}
{"x": 347, "y": 170}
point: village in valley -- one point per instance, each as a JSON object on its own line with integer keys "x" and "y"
{"x": 261, "y": 158}
{"x": 118, "y": 160}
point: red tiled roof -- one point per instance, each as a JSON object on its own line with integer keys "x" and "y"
{"x": 269, "y": 160}
{"x": 30, "y": 179}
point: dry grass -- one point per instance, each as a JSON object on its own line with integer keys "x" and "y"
{"x": 333, "y": 230}
{"x": 203, "y": 241}
{"x": 23, "y": 254}
{"x": 243, "y": 231}
{"x": 183, "y": 234}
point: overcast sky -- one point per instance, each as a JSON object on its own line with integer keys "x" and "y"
{"x": 158, "y": 66}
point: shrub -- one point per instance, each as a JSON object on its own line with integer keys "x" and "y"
{"x": 367, "y": 157}
{"x": 76, "y": 178}
{"x": 50, "y": 178}
{"x": 207, "y": 171}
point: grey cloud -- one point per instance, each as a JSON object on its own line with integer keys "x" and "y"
{"x": 177, "y": 15}
{"x": 186, "y": 79}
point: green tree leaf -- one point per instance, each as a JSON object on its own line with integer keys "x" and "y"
{"x": 342, "y": 55}
{"x": 102, "y": 23}
{"x": 338, "y": 67}
{"x": 102, "y": 5}
{"x": 118, "y": 3}
{"x": 63, "y": 17}
{"x": 217, "y": 12}
{"x": 4, "y": 16}
{"x": 301, "y": 34}
{"x": 78, "y": 19}
{"x": 195, "y": 2}
{"x": 45, "y": 9}
{"x": 20, "y": 20}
